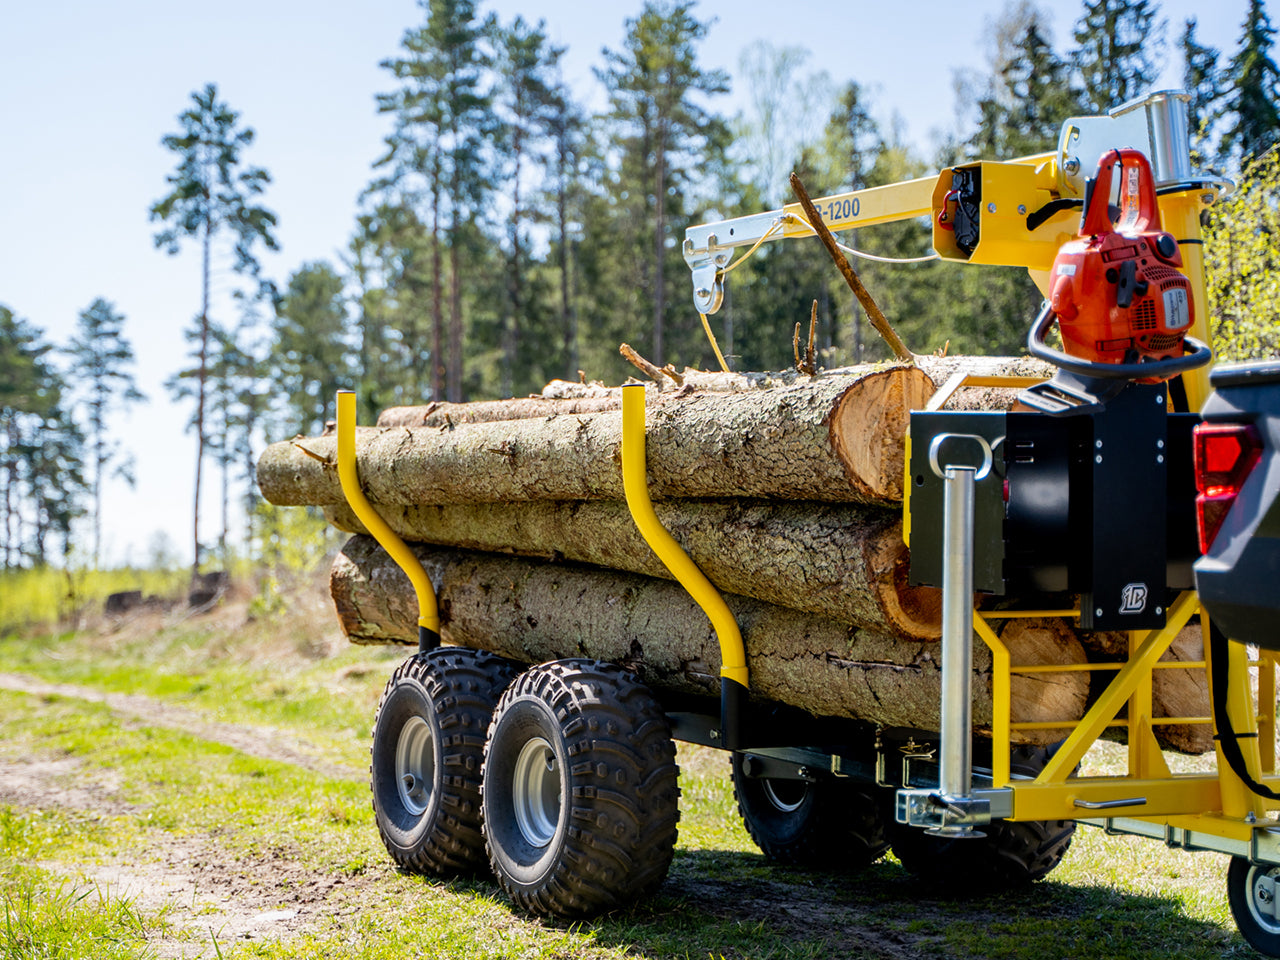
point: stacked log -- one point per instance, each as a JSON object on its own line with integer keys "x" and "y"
{"x": 784, "y": 490}
{"x": 536, "y": 611}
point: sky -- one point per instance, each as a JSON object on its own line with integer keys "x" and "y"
{"x": 87, "y": 90}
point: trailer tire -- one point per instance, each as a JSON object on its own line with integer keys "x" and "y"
{"x": 1012, "y": 852}
{"x": 426, "y": 758}
{"x": 827, "y": 824}
{"x": 1256, "y": 916}
{"x": 580, "y": 790}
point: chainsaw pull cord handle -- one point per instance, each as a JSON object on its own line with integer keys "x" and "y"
{"x": 1138, "y": 213}
{"x": 1196, "y": 354}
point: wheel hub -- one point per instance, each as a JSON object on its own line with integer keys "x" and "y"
{"x": 415, "y": 765}
{"x": 786, "y": 795}
{"x": 535, "y": 792}
{"x": 1262, "y": 884}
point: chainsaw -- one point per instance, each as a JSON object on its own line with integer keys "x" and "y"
{"x": 1121, "y": 302}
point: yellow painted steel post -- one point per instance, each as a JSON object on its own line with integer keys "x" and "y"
{"x": 1180, "y": 216}
{"x": 348, "y": 476}
{"x": 1267, "y": 711}
{"x": 635, "y": 483}
{"x": 1001, "y": 694}
{"x": 1144, "y": 752}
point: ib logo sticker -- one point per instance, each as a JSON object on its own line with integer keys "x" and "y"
{"x": 1133, "y": 598}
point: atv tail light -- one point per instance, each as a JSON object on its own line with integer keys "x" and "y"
{"x": 1225, "y": 454}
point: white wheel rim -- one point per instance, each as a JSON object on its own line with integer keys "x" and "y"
{"x": 783, "y": 801}
{"x": 1261, "y": 886}
{"x": 415, "y": 765}
{"x": 535, "y": 792}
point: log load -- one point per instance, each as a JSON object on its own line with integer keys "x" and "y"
{"x": 842, "y": 561}
{"x": 535, "y": 611}
{"x": 836, "y": 439}
{"x": 781, "y": 487}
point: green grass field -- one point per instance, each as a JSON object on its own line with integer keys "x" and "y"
{"x": 176, "y": 785}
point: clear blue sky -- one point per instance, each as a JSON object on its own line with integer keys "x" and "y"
{"x": 87, "y": 89}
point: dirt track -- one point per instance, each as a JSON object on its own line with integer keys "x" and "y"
{"x": 204, "y": 890}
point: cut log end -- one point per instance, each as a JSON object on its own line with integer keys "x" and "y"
{"x": 868, "y": 426}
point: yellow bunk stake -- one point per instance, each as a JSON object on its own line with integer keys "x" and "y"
{"x": 348, "y": 476}
{"x": 635, "y": 484}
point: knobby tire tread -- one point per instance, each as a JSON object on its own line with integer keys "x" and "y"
{"x": 463, "y": 687}
{"x": 623, "y": 790}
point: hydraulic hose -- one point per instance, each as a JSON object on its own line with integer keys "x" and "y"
{"x": 348, "y": 476}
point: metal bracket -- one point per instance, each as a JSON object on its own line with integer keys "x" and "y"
{"x": 953, "y": 816}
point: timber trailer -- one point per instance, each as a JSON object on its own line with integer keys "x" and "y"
{"x": 561, "y": 775}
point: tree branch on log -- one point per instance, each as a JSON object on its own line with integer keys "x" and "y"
{"x": 655, "y": 374}
{"x": 874, "y": 313}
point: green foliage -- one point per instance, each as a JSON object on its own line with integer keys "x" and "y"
{"x": 1029, "y": 94}
{"x": 211, "y": 189}
{"x": 443, "y": 117}
{"x": 292, "y": 542}
{"x": 41, "y": 448}
{"x": 101, "y": 358}
{"x": 41, "y": 597}
{"x": 659, "y": 141}
{"x": 1242, "y": 264}
{"x": 311, "y": 357}
{"x": 1205, "y": 81}
{"x": 1118, "y": 47}
{"x": 1253, "y": 98}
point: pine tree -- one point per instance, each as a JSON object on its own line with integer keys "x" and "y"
{"x": 528, "y": 105}
{"x": 1253, "y": 96}
{"x": 388, "y": 262}
{"x": 1117, "y": 55}
{"x": 566, "y": 127}
{"x": 101, "y": 361}
{"x": 1203, "y": 80}
{"x": 40, "y": 453}
{"x": 212, "y": 194}
{"x": 311, "y": 354}
{"x": 661, "y": 136}
{"x": 443, "y": 118}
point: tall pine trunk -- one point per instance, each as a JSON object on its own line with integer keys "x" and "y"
{"x": 202, "y": 374}
{"x": 437, "y": 292}
{"x": 659, "y": 246}
{"x": 568, "y": 322}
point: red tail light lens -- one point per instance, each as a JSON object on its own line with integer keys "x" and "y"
{"x": 1225, "y": 454}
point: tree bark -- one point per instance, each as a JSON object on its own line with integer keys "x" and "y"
{"x": 488, "y": 411}
{"x": 844, "y": 562}
{"x": 834, "y": 439}
{"x": 536, "y": 611}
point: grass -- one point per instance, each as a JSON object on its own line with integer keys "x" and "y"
{"x": 36, "y": 599}
{"x": 47, "y": 917}
{"x": 158, "y": 794}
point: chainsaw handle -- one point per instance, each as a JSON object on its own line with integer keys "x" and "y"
{"x": 1198, "y": 355}
{"x": 1137, "y": 214}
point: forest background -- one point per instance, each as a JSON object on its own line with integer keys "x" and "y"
{"x": 510, "y": 234}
